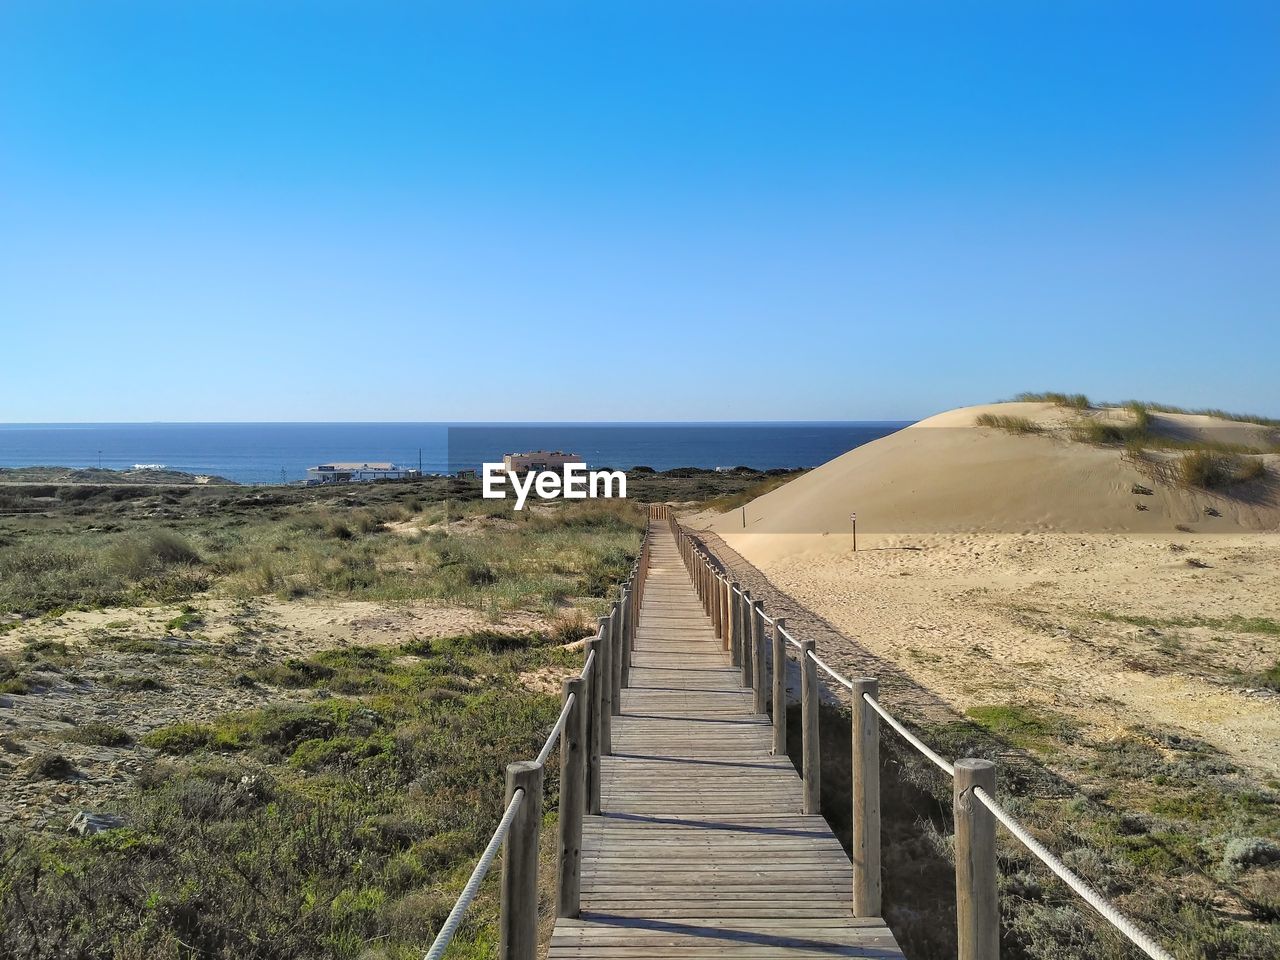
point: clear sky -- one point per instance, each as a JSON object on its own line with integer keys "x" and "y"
{"x": 289, "y": 210}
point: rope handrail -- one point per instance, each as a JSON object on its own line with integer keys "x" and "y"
{"x": 554, "y": 735}
{"x": 1117, "y": 919}
{"x": 942, "y": 763}
{"x": 468, "y": 895}
{"x": 790, "y": 639}
{"x": 1087, "y": 893}
{"x": 843, "y": 681}
{"x": 500, "y": 834}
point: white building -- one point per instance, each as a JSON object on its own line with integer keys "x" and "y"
{"x": 537, "y": 460}
{"x": 352, "y": 472}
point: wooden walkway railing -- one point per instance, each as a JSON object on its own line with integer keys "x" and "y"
{"x": 684, "y": 830}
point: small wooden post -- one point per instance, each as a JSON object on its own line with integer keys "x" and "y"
{"x": 592, "y": 700}
{"x": 573, "y": 786}
{"x": 605, "y": 676}
{"x": 628, "y": 628}
{"x": 518, "y": 914}
{"x": 977, "y": 903}
{"x": 866, "y": 800}
{"x": 744, "y": 648}
{"x": 758, "y": 683}
{"x": 733, "y": 637}
{"x": 853, "y": 519}
{"x": 810, "y": 751}
{"x": 615, "y": 658}
{"x": 779, "y": 689}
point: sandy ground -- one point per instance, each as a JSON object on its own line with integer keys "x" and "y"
{"x": 985, "y": 619}
{"x": 292, "y": 627}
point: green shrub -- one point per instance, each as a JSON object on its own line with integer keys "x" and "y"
{"x": 99, "y": 734}
{"x": 184, "y": 738}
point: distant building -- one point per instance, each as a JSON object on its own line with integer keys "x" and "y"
{"x": 538, "y": 460}
{"x": 352, "y": 472}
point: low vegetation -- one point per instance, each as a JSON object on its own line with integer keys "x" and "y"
{"x": 735, "y": 501}
{"x": 1073, "y": 401}
{"x": 340, "y": 827}
{"x": 1206, "y": 463}
{"x": 91, "y": 546}
{"x": 1010, "y": 424}
{"x": 1214, "y": 470}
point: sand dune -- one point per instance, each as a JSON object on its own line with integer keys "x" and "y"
{"x": 997, "y": 567}
{"x": 944, "y": 475}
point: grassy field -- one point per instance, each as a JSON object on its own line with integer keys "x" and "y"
{"x": 337, "y": 809}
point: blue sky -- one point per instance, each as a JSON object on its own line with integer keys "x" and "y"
{"x": 411, "y": 211}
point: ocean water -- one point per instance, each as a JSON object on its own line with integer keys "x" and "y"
{"x": 281, "y": 452}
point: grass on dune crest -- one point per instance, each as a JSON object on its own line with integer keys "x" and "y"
{"x": 1203, "y": 463}
{"x": 1079, "y": 401}
{"x": 1011, "y": 424}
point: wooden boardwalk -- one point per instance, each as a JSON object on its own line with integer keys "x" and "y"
{"x": 701, "y": 849}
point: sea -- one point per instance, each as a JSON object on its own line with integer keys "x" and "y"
{"x": 282, "y": 452}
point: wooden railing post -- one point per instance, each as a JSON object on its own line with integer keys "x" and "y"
{"x": 518, "y": 914}
{"x": 592, "y": 700}
{"x": 605, "y": 676}
{"x": 735, "y": 625}
{"x": 724, "y": 596}
{"x": 977, "y": 898}
{"x": 615, "y": 658}
{"x": 707, "y": 584}
{"x": 866, "y": 800}
{"x": 758, "y": 682}
{"x": 779, "y": 689}
{"x": 744, "y": 648}
{"x": 628, "y": 628}
{"x": 573, "y": 787}
{"x": 717, "y": 603}
{"x": 812, "y": 763}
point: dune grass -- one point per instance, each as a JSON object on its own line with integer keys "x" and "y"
{"x": 1073, "y": 401}
{"x": 1021, "y": 425}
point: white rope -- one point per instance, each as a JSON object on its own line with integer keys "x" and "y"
{"x": 790, "y": 639}
{"x": 910, "y": 737}
{"x": 1091, "y": 896}
{"x": 441, "y": 942}
{"x": 830, "y": 672}
{"x": 586, "y": 667}
{"x": 554, "y": 735}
